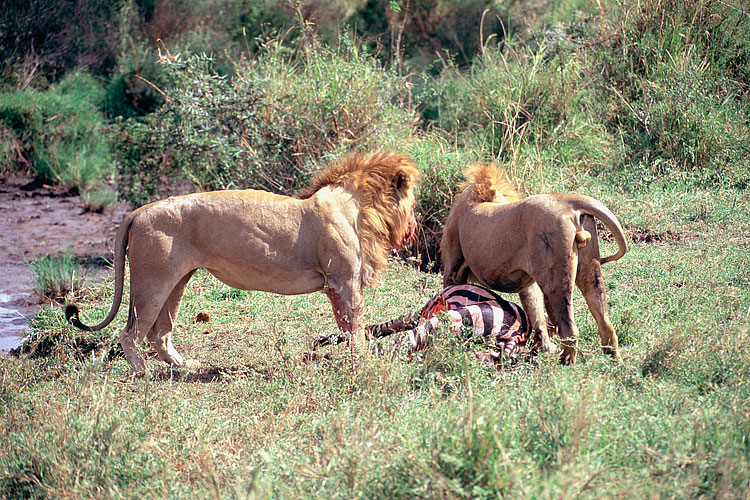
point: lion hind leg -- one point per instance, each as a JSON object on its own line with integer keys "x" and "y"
{"x": 532, "y": 301}
{"x": 132, "y": 336}
{"x": 146, "y": 304}
{"x": 591, "y": 283}
{"x": 561, "y": 314}
{"x": 127, "y": 341}
{"x": 597, "y": 301}
{"x": 160, "y": 335}
{"x": 558, "y": 299}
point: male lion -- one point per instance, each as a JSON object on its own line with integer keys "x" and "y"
{"x": 333, "y": 236}
{"x": 536, "y": 246}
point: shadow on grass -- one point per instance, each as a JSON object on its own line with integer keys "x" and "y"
{"x": 211, "y": 375}
{"x": 44, "y": 347}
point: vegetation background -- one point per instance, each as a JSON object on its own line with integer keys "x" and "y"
{"x": 643, "y": 105}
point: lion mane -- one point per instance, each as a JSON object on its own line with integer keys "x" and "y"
{"x": 539, "y": 246}
{"x": 381, "y": 218}
{"x": 489, "y": 184}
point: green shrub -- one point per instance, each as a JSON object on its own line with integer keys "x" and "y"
{"x": 269, "y": 126}
{"x": 614, "y": 92}
{"x": 676, "y": 69}
{"x": 519, "y": 102}
{"x": 220, "y": 28}
{"x": 41, "y": 41}
{"x": 419, "y": 35}
{"x": 442, "y": 168}
{"x": 58, "y": 135}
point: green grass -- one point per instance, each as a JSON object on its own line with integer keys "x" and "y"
{"x": 642, "y": 105}
{"x": 59, "y": 136}
{"x": 57, "y": 275}
{"x": 254, "y": 422}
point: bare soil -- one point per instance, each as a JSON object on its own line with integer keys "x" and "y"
{"x": 37, "y": 220}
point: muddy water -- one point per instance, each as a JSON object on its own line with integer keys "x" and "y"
{"x": 37, "y": 220}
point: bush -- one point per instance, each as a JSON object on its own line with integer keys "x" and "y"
{"x": 57, "y": 135}
{"x": 518, "y": 102}
{"x": 611, "y": 92}
{"x": 42, "y": 40}
{"x": 221, "y": 28}
{"x": 419, "y": 35}
{"x": 442, "y": 169}
{"x": 282, "y": 114}
{"x": 676, "y": 70}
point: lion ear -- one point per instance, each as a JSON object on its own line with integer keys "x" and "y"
{"x": 400, "y": 181}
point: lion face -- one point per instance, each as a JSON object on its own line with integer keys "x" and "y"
{"x": 406, "y": 227}
{"x": 410, "y": 227}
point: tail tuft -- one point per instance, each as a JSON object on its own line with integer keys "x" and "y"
{"x": 71, "y": 315}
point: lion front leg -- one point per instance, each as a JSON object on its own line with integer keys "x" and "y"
{"x": 455, "y": 269}
{"x": 348, "y": 310}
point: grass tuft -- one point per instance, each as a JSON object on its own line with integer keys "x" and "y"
{"x": 56, "y": 276}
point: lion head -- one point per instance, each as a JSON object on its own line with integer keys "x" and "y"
{"x": 382, "y": 184}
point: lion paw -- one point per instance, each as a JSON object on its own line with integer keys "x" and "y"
{"x": 568, "y": 356}
{"x": 552, "y": 348}
{"x": 192, "y": 364}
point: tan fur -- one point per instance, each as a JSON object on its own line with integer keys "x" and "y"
{"x": 537, "y": 246}
{"x": 333, "y": 236}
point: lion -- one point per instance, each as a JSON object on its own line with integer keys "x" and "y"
{"x": 536, "y": 246}
{"x": 333, "y": 236}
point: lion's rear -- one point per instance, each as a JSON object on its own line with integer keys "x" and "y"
{"x": 484, "y": 184}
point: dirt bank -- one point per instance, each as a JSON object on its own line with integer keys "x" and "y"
{"x": 37, "y": 220}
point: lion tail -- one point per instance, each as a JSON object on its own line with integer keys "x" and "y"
{"x": 593, "y": 207}
{"x": 121, "y": 244}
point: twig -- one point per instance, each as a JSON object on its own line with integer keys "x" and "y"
{"x": 153, "y": 85}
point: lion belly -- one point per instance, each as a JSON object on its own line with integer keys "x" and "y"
{"x": 303, "y": 281}
{"x": 508, "y": 283}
